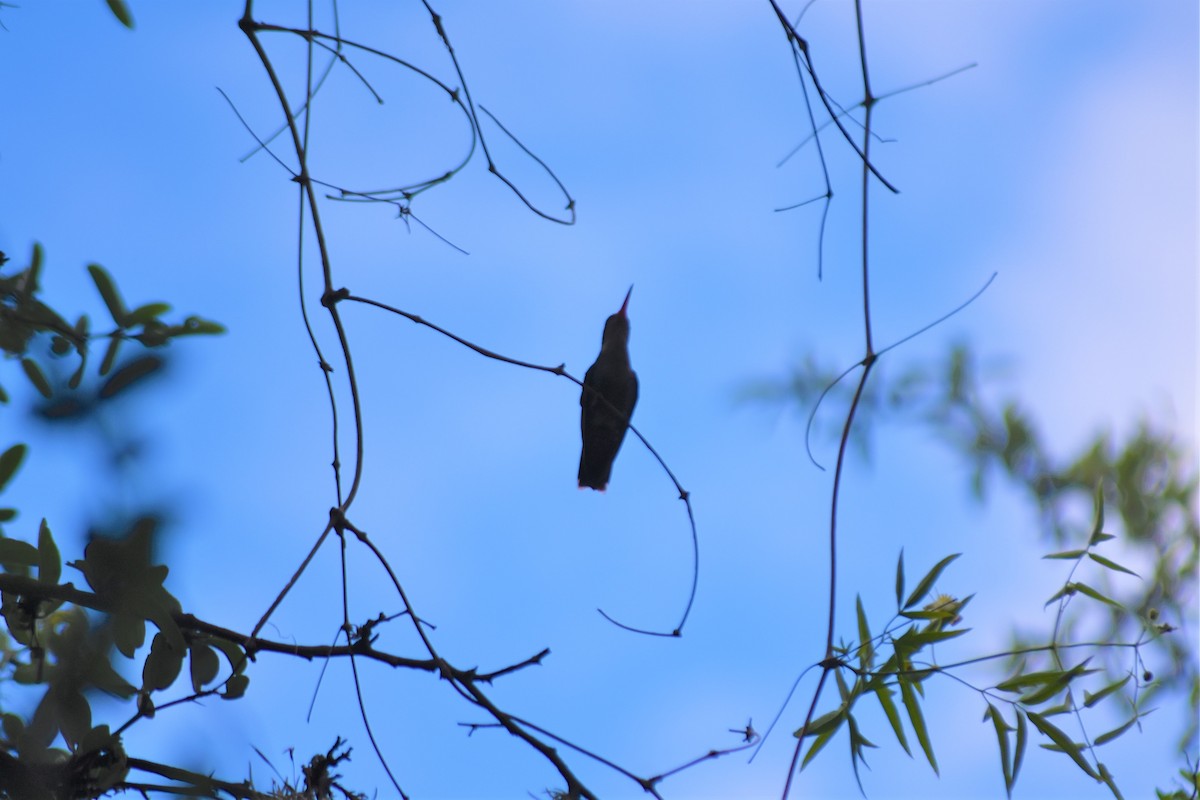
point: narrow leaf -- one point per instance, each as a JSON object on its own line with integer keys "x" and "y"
{"x": 34, "y": 373}
{"x": 857, "y": 743}
{"x": 1031, "y": 679}
{"x": 130, "y": 374}
{"x": 1090, "y": 699}
{"x": 931, "y": 637}
{"x": 824, "y": 723}
{"x": 1002, "y": 730}
{"x": 1098, "y": 505}
{"x": 917, "y": 721}
{"x": 1063, "y": 742}
{"x": 35, "y": 269}
{"x": 49, "y": 561}
{"x": 1063, "y": 592}
{"x": 147, "y": 313}
{"x": 108, "y": 291}
{"x": 884, "y": 693}
{"x": 121, "y": 12}
{"x": 923, "y": 587}
{"x": 110, "y": 354}
{"x": 1104, "y": 562}
{"x": 900, "y": 577}
{"x": 1108, "y": 736}
{"x": 1022, "y": 740}
{"x": 817, "y": 745}
{"x": 1095, "y": 595}
{"x": 10, "y": 461}
{"x": 866, "y": 652}
{"x": 1066, "y": 554}
{"x": 1107, "y": 777}
{"x": 198, "y": 325}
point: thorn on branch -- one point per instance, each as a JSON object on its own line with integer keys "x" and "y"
{"x": 748, "y": 733}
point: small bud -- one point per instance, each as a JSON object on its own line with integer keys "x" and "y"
{"x": 1152, "y": 614}
{"x": 145, "y": 705}
{"x": 1147, "y": 676}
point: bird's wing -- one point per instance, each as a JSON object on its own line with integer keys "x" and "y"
{"x": 585, "y": 397}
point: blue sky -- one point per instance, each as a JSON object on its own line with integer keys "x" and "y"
{"x": 1066, "y": 162}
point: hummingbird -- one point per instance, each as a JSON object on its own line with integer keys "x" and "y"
{"x": 610, "y": 391}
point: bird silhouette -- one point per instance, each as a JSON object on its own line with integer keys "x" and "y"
{"x": 610, "y": 391}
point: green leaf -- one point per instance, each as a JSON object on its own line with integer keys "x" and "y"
{"x": 1104, "y": 562}
{"x": 110, "y": 354}
{"x": 1065, "y": 707}
{"x": 1063, "y": 592}
{"x": 1107, "y": 777}
{"x": 235, "y": 687}
{"x": 1095, "y": 595}
{"x": 74, "y": 714}
{"x": 77, "y": 375}
{"x": 205, "y": 665}
{"x": 829, "y": 728}
{"x": 1002, "y": 730}
{"x": 10, "y": 461}
{"x": 198, "y": 325}
{"x": 162, "y": 665}
{"x": 857, "y": 743}
{"x": 35, "y": 269}
{"x": 34, "y": 373}
{"x": 1051, "y": 682}
{"x": 129, "y": 632}
{"x": 932, "y": 637}
{"x": 1067, "y": 554}
{"x": 900, "y": 578}
{"x": 147, "y": 313}
{"x": 160, "y": 615}
{"x": 1042, "y": 694}
{"x": 884, "y": 693}
{"x": 825, "y": 723}
{"x": 1098, "y": 513}
{"x": 15, "y": 553}
{"x": 1108, "y": 736}
{"x": 1090, "y": 699}
{"x": 235, "y": 655}
{"x": 121, "y": 12}
{"x": 923, "y": 587}
{"x": 1031, "y": 679}
{"x": 130, "y": 374}
{"x": 1062, "y": 741}
{"x": 917, "y": 721}
{"x": 866, "y": 652}
{"x": 49, "y": 561}
{"x": 1022, "y": 740}
{"x": 108, "y": 291}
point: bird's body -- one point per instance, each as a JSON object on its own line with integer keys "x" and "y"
{"x": 610, "y": 391}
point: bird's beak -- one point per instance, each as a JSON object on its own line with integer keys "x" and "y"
{"x": 626, "y": 303}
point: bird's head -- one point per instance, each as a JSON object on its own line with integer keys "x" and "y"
{"x": 616, "y": 327}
